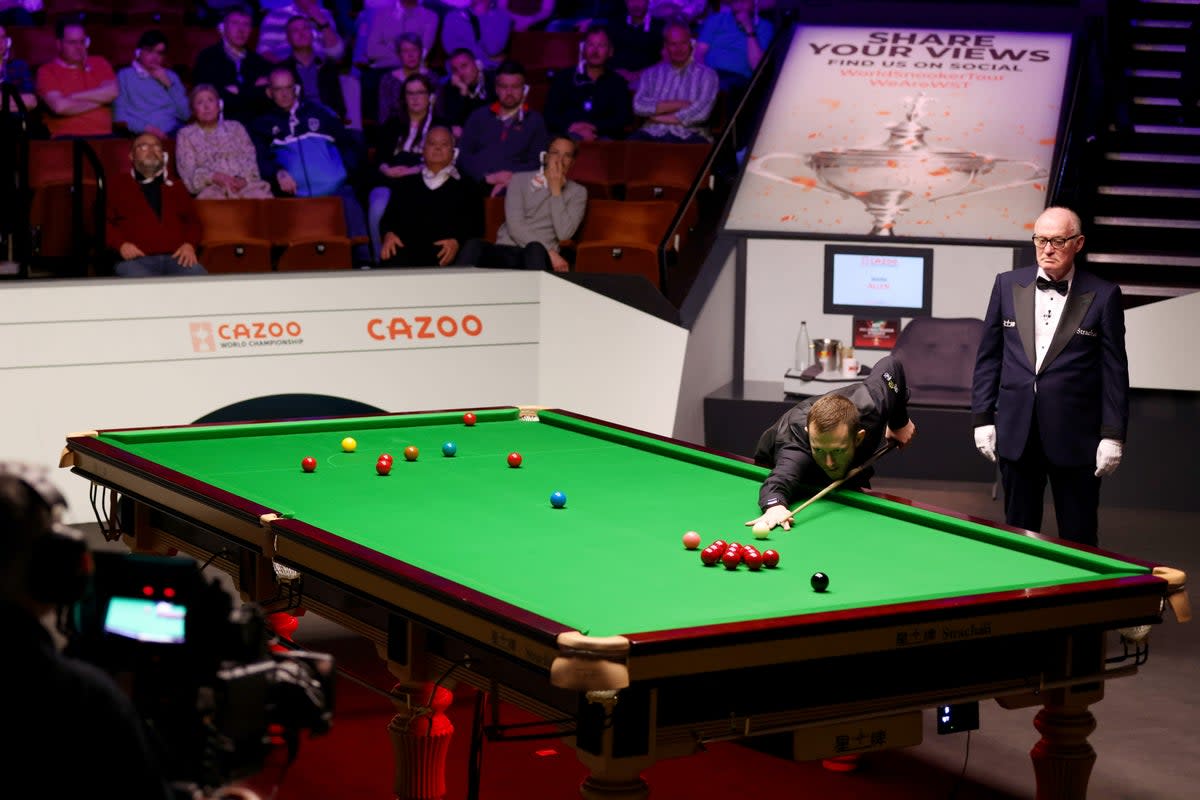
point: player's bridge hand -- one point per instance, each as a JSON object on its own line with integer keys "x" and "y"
{"x": 772, "y": 517}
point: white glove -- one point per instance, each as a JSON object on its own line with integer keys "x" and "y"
{"x": 985, "y": 441}
{"x": 1108, "y": 457}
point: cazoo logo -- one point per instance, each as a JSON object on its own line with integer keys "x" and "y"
{"x": 208, "y": 337}
{"x": 424, "y": 327}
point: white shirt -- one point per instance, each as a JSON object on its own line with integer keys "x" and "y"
{"x": 1048, "y": 306}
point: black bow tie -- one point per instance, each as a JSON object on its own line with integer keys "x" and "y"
{"x": 1058, "y": 286}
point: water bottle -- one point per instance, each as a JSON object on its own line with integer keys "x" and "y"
{"x": 804, "y": 351}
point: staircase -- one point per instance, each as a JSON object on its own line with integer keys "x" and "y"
{"x": 1144, "y": 231}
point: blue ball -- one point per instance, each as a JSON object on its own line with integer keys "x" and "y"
{"x": 558, "y": 499}
{"x": 449, "y": 449}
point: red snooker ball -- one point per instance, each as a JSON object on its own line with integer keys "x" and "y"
{"x": 385, "y": 457}
{"x": 383, "y": 467}
{"x": 514, "y": 459}
{"x": 308, "y": 464}
{"x": 770, "y": 559}
{"x": 710, "y": 555}
{"x": 753, "y": 559}
{"x": 732, "y": 558}
{"x": 468, "y": 418}
{"x": 411, "y": 453}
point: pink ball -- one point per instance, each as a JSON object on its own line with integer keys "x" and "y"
{"x": 691, "y": 540}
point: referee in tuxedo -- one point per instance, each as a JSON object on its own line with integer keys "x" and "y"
{"x": 1050, "y": 399}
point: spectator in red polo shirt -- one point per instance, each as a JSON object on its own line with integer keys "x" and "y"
{"x": 77, "y": 89}
{"x": 151, "y": 220}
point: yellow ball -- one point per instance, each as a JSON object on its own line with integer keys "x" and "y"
{"x": 348, "y": 444}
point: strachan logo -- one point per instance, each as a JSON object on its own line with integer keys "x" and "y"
{"x": 208, "y": 337}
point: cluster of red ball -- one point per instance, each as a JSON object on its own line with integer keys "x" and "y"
{"x": 731, "y": 554}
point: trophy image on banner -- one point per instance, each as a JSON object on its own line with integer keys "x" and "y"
{"x": 903, "y": 170}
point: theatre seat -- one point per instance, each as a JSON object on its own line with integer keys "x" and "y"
{"x": 938, "y": 354}
{"x": 236, "y": 236}
{"x": 50, "y": 210}
{"x": 311, "y": 231}
{"x": 623, "y": 237}
{"x": 542, "y": 52}
{"x": 662, "y": 170}
{"x": 600, "y": 167}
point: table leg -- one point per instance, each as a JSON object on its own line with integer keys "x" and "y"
{"x": 1063, "y": 758}
{"x": 421, "y": 734}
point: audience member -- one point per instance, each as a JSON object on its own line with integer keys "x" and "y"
{"x": 430, "y": 213}
{"x": 540, "y": 210}
{"x": 401, "y": 145}
{"x": 152, "y": 223}
{"x": 16, "y": 71}
{"x": 216, "y": 159}
{"x": 52, "y": 697}
{"x": 150, "y": 97}
{"x": 236, "y": 71}
{"x": 391, "y": 88}
{"x": 307, "y": 152}
{"x": 319, "y": 74}
{"x": 465, "y": 90}
{"x": 375, "y": 51}
{"x": 732, "y": 41}
{"x": 480, "y": 26}
{"x": 19, "y": 12}
{"x": 274, "y": 43}
{"x": 529, "y": 14}
{"x": 504, "y": 137}
{"x": 677, "y": 94}
{"x": 636, "y": 38}
{"x": 590, "y": 102}
{"x": 77, "y": 89}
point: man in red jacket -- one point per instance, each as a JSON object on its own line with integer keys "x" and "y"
{"x": 151, "y": 220}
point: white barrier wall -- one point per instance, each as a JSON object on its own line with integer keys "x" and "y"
{"x": 107, "y": 353}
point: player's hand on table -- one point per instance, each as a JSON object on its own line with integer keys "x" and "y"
{"x": 985, "y": 441}
{"x": 772, "y": 517}
{"x": 558, "y": 263}
{"x": 903, "y": 436}
{"x": 1108, "y": 457}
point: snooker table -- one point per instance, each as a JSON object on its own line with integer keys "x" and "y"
{"x": 595, "y": 617}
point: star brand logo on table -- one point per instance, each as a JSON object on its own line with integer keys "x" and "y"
{"x": 208, "y": 337}
{"x": 202, "y": 337}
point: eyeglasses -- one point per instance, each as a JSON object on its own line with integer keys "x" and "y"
{"x": 1057, "y": 243}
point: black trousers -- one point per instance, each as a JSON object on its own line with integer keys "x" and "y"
{"x": 479, "y": 253}
{"x": 1076, "y": 492}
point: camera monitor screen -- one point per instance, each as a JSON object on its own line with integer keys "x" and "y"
{"x": 872, "y": 281}
{"x": 145, "y": 620}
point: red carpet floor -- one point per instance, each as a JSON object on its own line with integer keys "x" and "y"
{"x": 354, "y": 760}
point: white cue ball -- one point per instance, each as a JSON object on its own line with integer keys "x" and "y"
{"x": 761, "y": 530}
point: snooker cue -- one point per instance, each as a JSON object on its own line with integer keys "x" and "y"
{"x": 887, "y": 448}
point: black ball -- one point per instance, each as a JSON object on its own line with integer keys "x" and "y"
{"x": 819, "y": 581}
